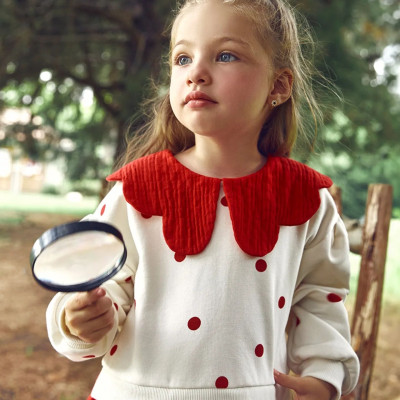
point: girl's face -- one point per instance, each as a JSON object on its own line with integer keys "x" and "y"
{"x": 221, "y": 76}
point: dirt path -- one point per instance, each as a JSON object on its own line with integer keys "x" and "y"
{"x": 32, "y": 370}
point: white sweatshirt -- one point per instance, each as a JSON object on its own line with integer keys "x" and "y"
{"x": 211, "y": 325}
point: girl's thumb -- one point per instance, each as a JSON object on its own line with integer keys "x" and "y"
{"x": 96, "y": 293}
{"x": 92, "y": 296}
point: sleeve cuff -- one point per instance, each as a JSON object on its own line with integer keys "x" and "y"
{"x": 332, "y": 372}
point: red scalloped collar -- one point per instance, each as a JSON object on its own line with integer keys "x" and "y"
{"x": 283, "y": 192}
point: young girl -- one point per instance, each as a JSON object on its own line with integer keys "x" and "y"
{"x": 226, "y": 235}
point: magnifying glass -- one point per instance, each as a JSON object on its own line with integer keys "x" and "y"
{"x": 77, "y": 256}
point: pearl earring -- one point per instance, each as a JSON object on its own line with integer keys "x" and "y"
{"x": 274, "y": 103}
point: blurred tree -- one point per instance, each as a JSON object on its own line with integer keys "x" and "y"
{"x": 359, "y": 50}
{"x": 83, "y": 67}
{"x": 54, "y": 52}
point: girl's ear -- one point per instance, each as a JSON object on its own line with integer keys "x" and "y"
{"x": 282, "y": 87}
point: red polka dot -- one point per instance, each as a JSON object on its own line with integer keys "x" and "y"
{"x": 259, "y": 350}
{"x": 281, "y": 302}
{"x": 113, "y": 350}
{"x": 146, "y": 216}
{"x": 334, "y": 298}
{"x": 103, "y": 209}
{"x": 129, "y": 279}
{"x": 224, "y": 202}
{"x": 261, "y": 265}
{"x": 179, "y": 257}
{"x": 222, "y": 382}
{"x": 194, "y": 323}
{"x": 89, "y": 356}
{"x": 297, "y": 321}
{"x": 116, "y": 306}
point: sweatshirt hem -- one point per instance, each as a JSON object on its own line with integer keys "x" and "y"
{"x": 108, "y": 387}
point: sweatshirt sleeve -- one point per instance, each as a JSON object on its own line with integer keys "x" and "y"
{"x": 113, "y": 210}
{"x": 319, "y": 336}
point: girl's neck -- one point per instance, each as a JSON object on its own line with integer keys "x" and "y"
{"x": 221, "y": 161}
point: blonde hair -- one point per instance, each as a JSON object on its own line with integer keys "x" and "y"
{"x": 276, "y": 24}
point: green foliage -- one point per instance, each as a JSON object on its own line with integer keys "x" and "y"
{"x": 53, "y": 53}
{"x": 87, "y": 188}
{"x": 359, "y": 143}
{"x": 355, "y": 174}
{"x": 51, "y": 189}
{"x": 56, "y": 54}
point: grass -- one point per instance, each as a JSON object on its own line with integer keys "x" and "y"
{"x": 33, "y": 202}
{"x": 391, "y": 293}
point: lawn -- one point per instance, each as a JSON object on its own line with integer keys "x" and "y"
{"x": 71, "y": 204}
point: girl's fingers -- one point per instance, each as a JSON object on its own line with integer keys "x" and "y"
{"x": 305, "y": 388}
{"x": 288, "y": 381}
{"x": 92, "y": 312}
{"x": 96, "y": 329}
{"x": 90, "y": 330}
{"x": 89, "y": 315}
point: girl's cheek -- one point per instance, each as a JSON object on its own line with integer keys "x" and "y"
{"x": 174, "y": 85}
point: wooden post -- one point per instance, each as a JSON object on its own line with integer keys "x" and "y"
{"x": 367, "y": 308}
{"x": 336, "y": 193}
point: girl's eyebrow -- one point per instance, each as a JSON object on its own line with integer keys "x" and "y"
{"x": 216, "y": 41}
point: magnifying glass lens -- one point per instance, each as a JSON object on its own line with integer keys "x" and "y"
{"x": 77, "y": 256}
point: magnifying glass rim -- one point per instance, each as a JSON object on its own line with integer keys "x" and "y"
{"x": 60, "y": 231}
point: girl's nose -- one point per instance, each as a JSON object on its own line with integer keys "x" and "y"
{"x": 198, "y": 74}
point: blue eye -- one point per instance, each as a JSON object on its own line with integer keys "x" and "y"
{"x": 183, "y": 60}
{"x": 226, "y": 57}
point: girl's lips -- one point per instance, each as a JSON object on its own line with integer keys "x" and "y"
{"x": 198, "y": 97}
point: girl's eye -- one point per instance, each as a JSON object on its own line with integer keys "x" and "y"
{"x": 226, "y": 57}
{"x": 183, "y": 60}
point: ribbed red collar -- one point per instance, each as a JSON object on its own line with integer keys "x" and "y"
{"x": 283, "y": 192}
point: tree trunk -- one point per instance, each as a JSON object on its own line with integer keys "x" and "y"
{"x": 336, "y": 193}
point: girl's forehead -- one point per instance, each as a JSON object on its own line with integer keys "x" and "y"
{"x": 212, "y": 18}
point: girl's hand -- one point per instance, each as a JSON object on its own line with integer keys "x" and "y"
{"x": 306, "y": 388}
{"x": 89, "y": 315}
